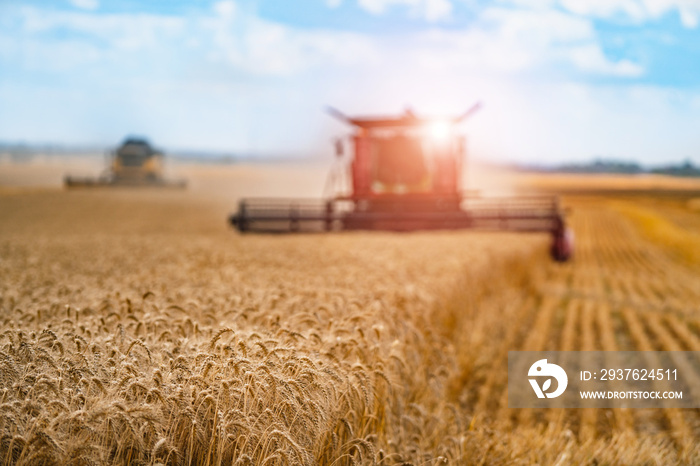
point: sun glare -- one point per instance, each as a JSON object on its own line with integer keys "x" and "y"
{"x": 439, "y": 130}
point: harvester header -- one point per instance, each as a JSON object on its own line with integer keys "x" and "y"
{"x": 404, "y": 174}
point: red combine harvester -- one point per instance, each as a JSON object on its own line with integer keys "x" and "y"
{"x": 404, "y": 175}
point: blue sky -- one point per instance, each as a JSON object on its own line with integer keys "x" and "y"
{"x": 558, "y": 79}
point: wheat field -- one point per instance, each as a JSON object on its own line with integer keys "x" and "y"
{"x": 137, "y": 328}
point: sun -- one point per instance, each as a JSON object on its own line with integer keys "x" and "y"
{"x": 439, "y": 130}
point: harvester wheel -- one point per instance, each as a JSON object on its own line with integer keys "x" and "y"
{"x": 562, "y": 245}
{"x": 237, "y": 222}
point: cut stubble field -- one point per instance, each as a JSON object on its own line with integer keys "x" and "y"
{"x": 137, "y": 328}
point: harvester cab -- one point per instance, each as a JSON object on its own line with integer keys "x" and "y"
{"x": 134, "y": 163}
{"x": 404, "y": 175}
{"x": 135, "y": 160}
{"x": 404, "y": 164}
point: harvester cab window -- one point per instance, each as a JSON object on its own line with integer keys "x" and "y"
{"x": 136, "y": 161}
{"x": 132, "y": 160}
{"x": 399, "y": 164}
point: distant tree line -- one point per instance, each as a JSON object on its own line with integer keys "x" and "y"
{"x": 685, "y": 168}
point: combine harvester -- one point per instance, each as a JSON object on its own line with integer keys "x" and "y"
{"x": 404, "y": 175}
{"x": 134, "y": 163}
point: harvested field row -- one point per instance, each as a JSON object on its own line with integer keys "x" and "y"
{"x": 622, "y": 293}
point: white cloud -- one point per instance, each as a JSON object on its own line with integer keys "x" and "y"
{"x": 225, "y": 8}
{"x": 591, "y": 58}
{"x": 637, "y": 10}
{"x": 265, "y": 47}
{"x": 124, "y": 31}
{"x": 435, "y": 10}
{"x": 689, "y": 17}
{"x": 225, "y": 37}
{"x": 333, "y": 3}
{"x": 378, "y": 7}
{"x": 85, "y": 4}
{"x": 606, "y": 8}
{"x": 537, "y": 28}
{"x": 430, "y": 10}
{"x": 506, "y": 40}
{"x": 500, "y": 39}
{"x": 687, "y": 9}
